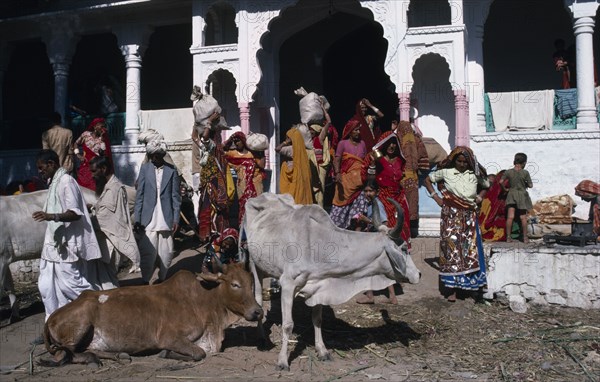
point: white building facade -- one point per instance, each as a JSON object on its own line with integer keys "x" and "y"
{"x": 451, "y": 60}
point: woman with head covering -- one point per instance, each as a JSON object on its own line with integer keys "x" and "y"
{"x": 347, "y": 167}
{"x": 415, "y": 154}
{"x": 492, "y": 215}
{"x": 388, "y": 171}
{"x": 462, "y": 264}
{"x": 249, "y": 167}
{"x": 295, "y": 177}
{"x": 209, "y": 162}
{"x": 369, "y": 131}
{"x": 95, "y": 142}
{"x": 590, "y": 192}
{"x": 319, "y": 156}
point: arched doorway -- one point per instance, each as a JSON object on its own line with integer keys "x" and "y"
{"x": 221, "y": 85}
{"x": 336, "y": 51}
{"x": 519, "y": 57}
{"x": 432, "y": 90}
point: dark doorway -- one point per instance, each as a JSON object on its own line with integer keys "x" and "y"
{"x": 167, "y": 69}
{"x": 97, "y": 62}
{"x": 342, "y": 57}
{"x": 518, "y": 57}
{"x": 28, "y": 97}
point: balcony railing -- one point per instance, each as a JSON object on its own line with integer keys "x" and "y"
{"x": 115, "y": 122}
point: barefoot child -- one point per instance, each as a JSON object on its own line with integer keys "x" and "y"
{"x": 368, "y": 219}
{"x": 518, "y": 199}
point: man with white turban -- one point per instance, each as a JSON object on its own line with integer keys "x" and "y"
{"x": 156, "y": 211}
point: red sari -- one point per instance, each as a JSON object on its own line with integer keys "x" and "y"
{"x": 389, "y": 175}
{"x": 93, "y": 146}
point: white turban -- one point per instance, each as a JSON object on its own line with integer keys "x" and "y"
{"x": 156, "y": 147}
{"x": 150, "y": 135}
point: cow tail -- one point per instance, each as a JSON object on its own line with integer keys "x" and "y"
{"x": 62, "y": 355}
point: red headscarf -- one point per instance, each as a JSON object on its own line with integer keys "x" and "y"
{"x": 351, "y": 125}
{"x": 226, "y": 233}
{"x": 239, "y": 135}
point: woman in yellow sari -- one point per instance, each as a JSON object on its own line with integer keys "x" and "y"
{"x": 295, "y": 173}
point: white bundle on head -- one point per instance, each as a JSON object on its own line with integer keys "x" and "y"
{"x": 156, "y": 147}
{"x": 149, "y": 136}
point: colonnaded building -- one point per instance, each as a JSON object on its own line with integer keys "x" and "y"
{"x": 474, "y": 72}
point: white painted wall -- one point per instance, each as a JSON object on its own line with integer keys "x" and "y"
{"x": 556, "y": 166}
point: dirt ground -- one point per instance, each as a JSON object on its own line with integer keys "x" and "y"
{"x": 423, "y": 338}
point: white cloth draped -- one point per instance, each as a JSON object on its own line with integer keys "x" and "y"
{"x": 527, "y": 110}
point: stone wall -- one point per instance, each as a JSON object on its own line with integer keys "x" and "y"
{"x": 25, "y": 271}
{"x": 562, "y": 275}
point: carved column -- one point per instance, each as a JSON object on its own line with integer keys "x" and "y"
{"x": 586, "y": 110}
{"x": 404, "y": 105}
{"x": 133, "y": 42}
{"x": 198, "y": 25}
{"x": 476, "y": 85}
{"x": 244, "y": 116}
{"x": 461, "y": 107}
{"x": 60, "y": 47}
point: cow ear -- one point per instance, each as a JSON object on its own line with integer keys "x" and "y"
{"x": 209, "y": 277}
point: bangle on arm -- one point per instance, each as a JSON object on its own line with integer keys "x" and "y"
{"x": 432, "y": 194}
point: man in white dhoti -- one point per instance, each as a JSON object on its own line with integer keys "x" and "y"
{"x": 70, "y": 247}
{"x": 110, "y": 216}
{"x": 156, "y": 211}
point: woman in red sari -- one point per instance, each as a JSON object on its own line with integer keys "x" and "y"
{"x": 492, "y": 216}
{"x": 388, "y": 171}
{"x": 95, "y": 142}
{"x": 249, "y": 167}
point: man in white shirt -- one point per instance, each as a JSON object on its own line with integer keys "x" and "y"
{"x": 156, "y": 212}
{"x": 70, "y": 245}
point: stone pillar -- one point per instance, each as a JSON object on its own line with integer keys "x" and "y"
{"x": 133, "y": 42}
{"x": 461, "y": 107}
{"x": 244, "y": 116}
{"x": 60, "y": 47}
{"x": 476, "y": 85}
{"x": 404, "y": 105}
{"x": 198, "y": 25}
{"x": 586, "y": 109}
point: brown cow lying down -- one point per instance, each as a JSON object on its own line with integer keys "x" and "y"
{"x": 184, "y": 316}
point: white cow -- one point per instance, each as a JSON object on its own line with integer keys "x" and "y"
{"x": 21, "y": 237}
{"x": 312, "y": 258}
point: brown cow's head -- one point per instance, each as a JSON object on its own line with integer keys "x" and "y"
{"x": 236, "y": 291}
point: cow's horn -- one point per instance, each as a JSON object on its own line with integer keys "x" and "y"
{"x": 208, "y": 276}
{"x": 394, "y": 233}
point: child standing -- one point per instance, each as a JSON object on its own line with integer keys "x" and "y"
{"x": 518, "y": 199}
{"x": 368, "y": 219}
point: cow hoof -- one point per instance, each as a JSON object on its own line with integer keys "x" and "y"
{"x": 282, "y": 367}
{"x": 123, "y": 357}
{"x": 163, "y": 354}
{"x": 326, "y": 357}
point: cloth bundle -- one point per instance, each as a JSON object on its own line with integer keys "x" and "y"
{"x": 310, "y": 106}
{"x": 204, "y": 106}
{"x": 257, "y": 142}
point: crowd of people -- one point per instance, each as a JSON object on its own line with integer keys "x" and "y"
{"x": 368, "y": 173}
